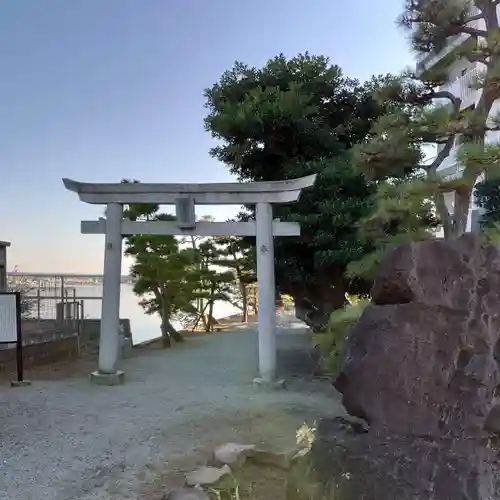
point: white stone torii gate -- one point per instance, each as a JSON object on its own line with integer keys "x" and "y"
{"x": 184, "y": 197}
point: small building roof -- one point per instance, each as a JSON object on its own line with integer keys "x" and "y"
{"x": 4, "y": 244}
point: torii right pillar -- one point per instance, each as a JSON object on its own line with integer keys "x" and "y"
{"x": 266, "y": 292}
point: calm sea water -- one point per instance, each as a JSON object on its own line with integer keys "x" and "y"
{"x": 144, "y": 327}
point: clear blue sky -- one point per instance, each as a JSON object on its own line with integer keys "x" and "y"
{"x": 99, "y": 90}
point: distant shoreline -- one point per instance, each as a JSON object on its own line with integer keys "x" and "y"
{"x": 232, "y": 320}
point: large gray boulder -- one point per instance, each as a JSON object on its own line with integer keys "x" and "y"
{"x": 422, "y": 369}
{"x": 424, "y": 357}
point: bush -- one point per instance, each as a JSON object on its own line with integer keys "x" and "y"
{"x": 333, "y": 339}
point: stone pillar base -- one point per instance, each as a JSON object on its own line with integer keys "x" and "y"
{"x": 260, "y": 383}
{"x": 125, "y": 349}
{"x": 20, "y": 383}
{"x": 99, "y": 378}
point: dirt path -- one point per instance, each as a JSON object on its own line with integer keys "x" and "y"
{"x": 62, "y": 439}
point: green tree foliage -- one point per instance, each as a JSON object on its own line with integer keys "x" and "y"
{"x": 183, "y": 278}
{"x": 216, "y": 284}
{"x": 333, "y": 338}
{"x": 230, "y": 261}
{"x": 487, "y": 197}
{"x": 166, "y": 276}
{"x": 425, "y": 113}
{"x": 402, "y": 212}
{"x": 291, "y": 118}
{"x": 238, "y": 256}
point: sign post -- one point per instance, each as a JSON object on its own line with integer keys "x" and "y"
{"x": 11, "y": 330}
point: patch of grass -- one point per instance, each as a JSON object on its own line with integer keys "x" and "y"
{"x": 333, "y": 339}
{"x": 252, "y": 482}
{"x": 266, "y": 427}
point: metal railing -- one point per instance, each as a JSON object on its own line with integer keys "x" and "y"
{"x": 60, "y": 314}
{"x": 49, "y": 308}
{"x": 49, "y": 303}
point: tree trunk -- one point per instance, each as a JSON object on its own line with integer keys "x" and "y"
{"x": 253, "y": 300}
{"x": 168, "y": 331}
{"x": 201, "y": 306}
{"x": 313, "y": 304}
{"x": 455, "y": 226}
{"x": 462, "y": 207}
{"x": 444, "y": 216}
{"x": 244, "y": 293}
{"x": 201, "y": 317}
{"x": 175, "y": 334}
{"x": 165, "y": 336}
{"x": 208, "y": 323}
{"x": 329, "y": 295}
{"x": 244, "y": 314}
{"x": 211, "y": 320}
{"x": 244, "y": 300}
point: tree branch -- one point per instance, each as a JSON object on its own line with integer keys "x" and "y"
{"x": 456, "y": 27}
{"x": 235, "y": 304}
{"x": 445, "y": 94}
{"x": 469, "y": 30}
{"x": 477, "y": 17}
{"x": 432, "y": 174}
{"x": 442, "y": 155}
{"x": 445, "y": 152}
{"x": 443, "y": 213}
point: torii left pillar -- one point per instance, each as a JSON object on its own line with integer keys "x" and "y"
{"x": 109, "y": 340}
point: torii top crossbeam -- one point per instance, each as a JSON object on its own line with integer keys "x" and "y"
{"x": 231, "y": 193}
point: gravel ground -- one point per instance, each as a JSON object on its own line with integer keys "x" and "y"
{"x": 67, "y": 439}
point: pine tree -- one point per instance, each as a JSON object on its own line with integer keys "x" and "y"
{"x": 291, "y": 118}
{"x": 166, "y": 275}
{"x": 424, "y": 113}
{"x": 237, "y": 255}
{"x": 216, "y": 284}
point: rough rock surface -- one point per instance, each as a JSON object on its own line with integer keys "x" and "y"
{"x": 422, "y": 369}
{"x": 352, "y": 466}
{"x": 424, "y": 357}
{"x": 232, "y": 454}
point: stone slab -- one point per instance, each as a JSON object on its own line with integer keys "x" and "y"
{"x": 99, "y": 378}
{"x": 233, "y": 454}
{"x": 207, "y": 476}
{"x": 260, "y": 383}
